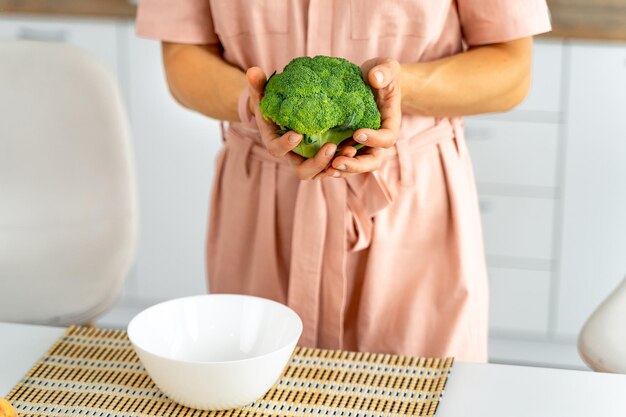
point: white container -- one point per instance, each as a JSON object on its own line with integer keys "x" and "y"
{"x": 602, "y": 340}
{"x": 215, "y": 352}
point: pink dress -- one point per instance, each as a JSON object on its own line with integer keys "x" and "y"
{"x": 390, "y": 261}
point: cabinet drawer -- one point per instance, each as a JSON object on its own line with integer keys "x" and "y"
{"x": 97, "y": 37}
{"x": 519, "y": 300}
{"x": 545, "y": 91}
{"x": 517, "y": 227}
{"x": 517, "y": 153}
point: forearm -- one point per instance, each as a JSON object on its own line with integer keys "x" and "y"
{"x": 485, "y": 79}
{"x": 200, "y": 79}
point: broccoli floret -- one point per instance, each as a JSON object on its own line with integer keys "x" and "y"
{"x": 323, "y": 98}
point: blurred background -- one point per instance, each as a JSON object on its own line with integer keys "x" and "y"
{"x": 551, "y": 174}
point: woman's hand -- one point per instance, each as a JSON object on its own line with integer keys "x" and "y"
{"x": 280, "y": 146}
{"x": 383, "y": 75}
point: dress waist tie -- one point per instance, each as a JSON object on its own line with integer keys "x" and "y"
{"x": 332, "y": 217}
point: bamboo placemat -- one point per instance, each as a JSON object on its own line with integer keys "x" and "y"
{"x": 95, "y": 372}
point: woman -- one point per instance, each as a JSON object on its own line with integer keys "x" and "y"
{"x": 379, "y": 250}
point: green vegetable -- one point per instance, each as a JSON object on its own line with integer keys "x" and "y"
{"x": 323, "y": 98}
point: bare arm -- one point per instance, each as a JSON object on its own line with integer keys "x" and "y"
{"x": 201, "y": 80}
{"x": 485, "y": 79}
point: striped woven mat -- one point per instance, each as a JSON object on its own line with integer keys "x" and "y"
{"x": 95, "y": 372}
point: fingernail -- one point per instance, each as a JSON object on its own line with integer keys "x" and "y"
{"x": 361, "y": 137}
{"x": 330, "y": 151}
{"x": 293, "y": 138}
{"x": 336, "y": 174}
{"x": 379, "y": 76}
{"x": 342, "y": 167}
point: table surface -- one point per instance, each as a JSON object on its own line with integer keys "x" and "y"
{"x": 484, "y": 390}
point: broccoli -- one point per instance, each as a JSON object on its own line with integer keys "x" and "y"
{"x": 323, "y": 98}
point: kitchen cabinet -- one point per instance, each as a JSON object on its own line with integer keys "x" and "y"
{"x": 517, "y": 227}
{"x": 517, "y": 164}
{"x": 551, "y": 185}
{"x": 550, "y": 177}
{"x": 545, "y": 95}
{"x": 593, "y": 249}
{"x": 513, "y": 153}
{"x": 520, "y": 301}
{"x": 100, "y": 38}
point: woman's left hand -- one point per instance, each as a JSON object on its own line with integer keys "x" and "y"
{"x": 383, "y": 75}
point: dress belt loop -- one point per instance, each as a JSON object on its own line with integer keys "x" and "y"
{"x": 404, "y": 161}
{"x": 243, "y": 148}
{"x": 223, "y": 130}
{"x": 459, "y": 135}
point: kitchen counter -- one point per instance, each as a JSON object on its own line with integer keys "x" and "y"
{"x": 484, "y": 390}
{"x": 580, "y": 19}
{"x": 588, "y": 19}
{"x": 85, "y": 8}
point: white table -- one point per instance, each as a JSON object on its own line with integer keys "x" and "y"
{"x": 484, "y": 390}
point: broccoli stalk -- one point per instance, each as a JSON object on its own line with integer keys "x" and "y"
{"x": 323, "y": 98}
{"x": 312, "y": 143}
{"x": 309, "y": 146}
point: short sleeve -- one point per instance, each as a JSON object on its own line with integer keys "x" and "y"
{"x": 493, "y": 21}
{"x": 183, "y": 21}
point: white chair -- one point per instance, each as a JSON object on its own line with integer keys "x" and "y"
{"x": 602, "y": 340}
{"x": 67, "y": 188}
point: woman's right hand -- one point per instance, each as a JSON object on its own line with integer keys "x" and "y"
{"x": 282, "y": 146}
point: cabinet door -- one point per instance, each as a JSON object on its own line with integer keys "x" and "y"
{"x": 513, "y": 153}
{"x": 593, "y": 255}
{"x": 545, "y": 92}
{"x": 175, "y": 151}
{"x": 520, "y": 301}
{"x": 98, "y": 37}
{"x": 517, "y": 227}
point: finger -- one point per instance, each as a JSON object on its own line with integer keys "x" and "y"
{"x": 267, "y": 128}
{"x": 332, "y": 172}
{"x": 294, "y": 159}
{"x": 359, "y": 164}
{"x": 367, "y": 66}
{"x": 347, "y": 150}
{"x": 385, "y": 72}
{"x": 383, "y": 75}
{"x": 389, "y": 104}
{"x": 367, "y": 162}
{"x": 313, "y": 166}
{"x": 320, "y": 175}
{"x": 279, "y": 146}
{"x": 256, "y": 84}
{"x": 257, "y": 79}
{"x": 381, "y": 138}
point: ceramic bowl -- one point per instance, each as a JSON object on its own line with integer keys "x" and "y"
{"x": 215, "y": 352}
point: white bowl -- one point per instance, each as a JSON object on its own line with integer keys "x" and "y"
{"x": 215, "y": 352}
